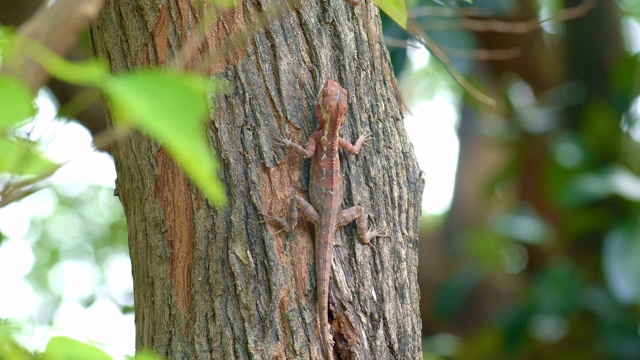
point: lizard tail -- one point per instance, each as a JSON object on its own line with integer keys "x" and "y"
{"x": 327, "y": 348}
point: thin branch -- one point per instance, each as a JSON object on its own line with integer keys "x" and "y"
{"x": 511, "y": 27}
{"x": 444, "y": 59}
{"x": 103, "y": 140}
{"x": 57, "y": 27}
{"x": 477, "y": 54}
{"x": 482, "y": 54}
{"x": 393, "y": 42}
{"x": 573, "y": 12}
{"x": 441, "y": 11}
{"x": 16, "y": 190}
{"x": 490, "y": 25}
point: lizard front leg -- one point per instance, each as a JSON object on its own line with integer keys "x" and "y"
{"x": 307, "y": 151}
{"x": 364, "y": 234}
{"x": 355, "y": 149}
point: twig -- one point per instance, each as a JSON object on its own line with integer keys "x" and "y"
{"x": 478, "y": 54}
{"x": 442, "y": 11}
{"x": 490, "y": 25}
{"x": 103, "y": 140}
{"x": 16, "y": 190}
{"x": 444, "y": 59}
{"x": 393, "y": 42}
{"x": 511, "y": 27}
{"x": 57, "y": 27}
{"x": 414, "y": 28}
{"x": 482, "y": 54}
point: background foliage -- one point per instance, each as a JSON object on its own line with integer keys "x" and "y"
{"x": 539, "y": 255}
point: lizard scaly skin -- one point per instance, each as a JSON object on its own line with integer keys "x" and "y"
{"x": 325, "y": 194}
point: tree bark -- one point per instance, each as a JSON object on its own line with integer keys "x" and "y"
{"x": 216, "y": 283}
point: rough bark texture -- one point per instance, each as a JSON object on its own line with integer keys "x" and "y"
{"x": 216, "y": 283}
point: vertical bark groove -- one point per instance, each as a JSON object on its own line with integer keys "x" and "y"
{"x": 174, "y": 198}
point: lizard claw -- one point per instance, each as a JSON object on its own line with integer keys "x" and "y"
{"x": 271, "y": 218}
{"x": 373, "y": 233}
{"x": 366, "y": 136}
{"x": 281, "y": 140}
{"x": 378, "y": 232}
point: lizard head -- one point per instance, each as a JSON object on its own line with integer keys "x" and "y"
{"x": 331, "y": 107}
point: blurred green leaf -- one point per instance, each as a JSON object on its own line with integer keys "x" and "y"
{"x": 612, "y": 180}
{"x": 172, "y": 108}
{"x": 621, "y": 264}
{"x": 493, "y": 251}
{"x": 145, "y": 355}
{"x": 568, "y": 150}
{"x": 454, "y": 292}
{"x": 485, "y": 343}
{"x": 442, "y": 344}
{"x": 558, "y": 289}
{"x": 548, "y": 327}
{"x": 9, "y": 348}
{"x": 22, "y": 157}
{"x": 600, "y": 130}
{"x": 617, "y": 325}
{"x": 396, "y": 9}
{"x": 515, "y": 320}
{"x": 64, "y": 348}
{"x": 16, "y": 102}
{"x": 90, "y": 72}
{"x": 522, "y": 225}
{"x": 6, "y": 41}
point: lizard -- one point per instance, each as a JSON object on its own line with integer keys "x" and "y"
{"x": 326, "y": 194}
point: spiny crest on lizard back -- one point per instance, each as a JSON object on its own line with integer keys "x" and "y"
{"x": 331, "y": 104}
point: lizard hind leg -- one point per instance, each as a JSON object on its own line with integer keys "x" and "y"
{"x": 297, "y": 202}
{"x": 364, "y": 233}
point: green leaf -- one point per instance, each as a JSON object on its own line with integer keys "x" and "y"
{"x": 90, "y": 72}
{"x": 22, "y": 157}
{"x": 620, "y": 254}
{"x": 16, "y": 102}
{"x": 10, "y": 349}
{"x": 171, "y": 108}
{"x": 454, "y": 292}
{"x": 608, "y": 181}
{"x": 7, "y": 35}
{"x": 558, "y": 289}
{"x": 145, "y": 354}
{"x": 396, "y": 10}
{"x": 64, "y": 348}
{"x": 522, "y": 225}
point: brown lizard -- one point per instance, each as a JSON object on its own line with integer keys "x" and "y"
{"x": 325, "y": 194}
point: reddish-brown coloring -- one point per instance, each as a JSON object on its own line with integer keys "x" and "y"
{"x": 326, "y": 194}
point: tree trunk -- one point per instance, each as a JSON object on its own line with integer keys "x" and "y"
{"x": 217, "y": 283}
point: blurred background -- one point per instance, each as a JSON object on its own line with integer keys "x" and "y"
{"x": 530, "y": 239}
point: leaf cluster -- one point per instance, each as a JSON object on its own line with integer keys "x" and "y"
{"x": 169, "y": 106}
